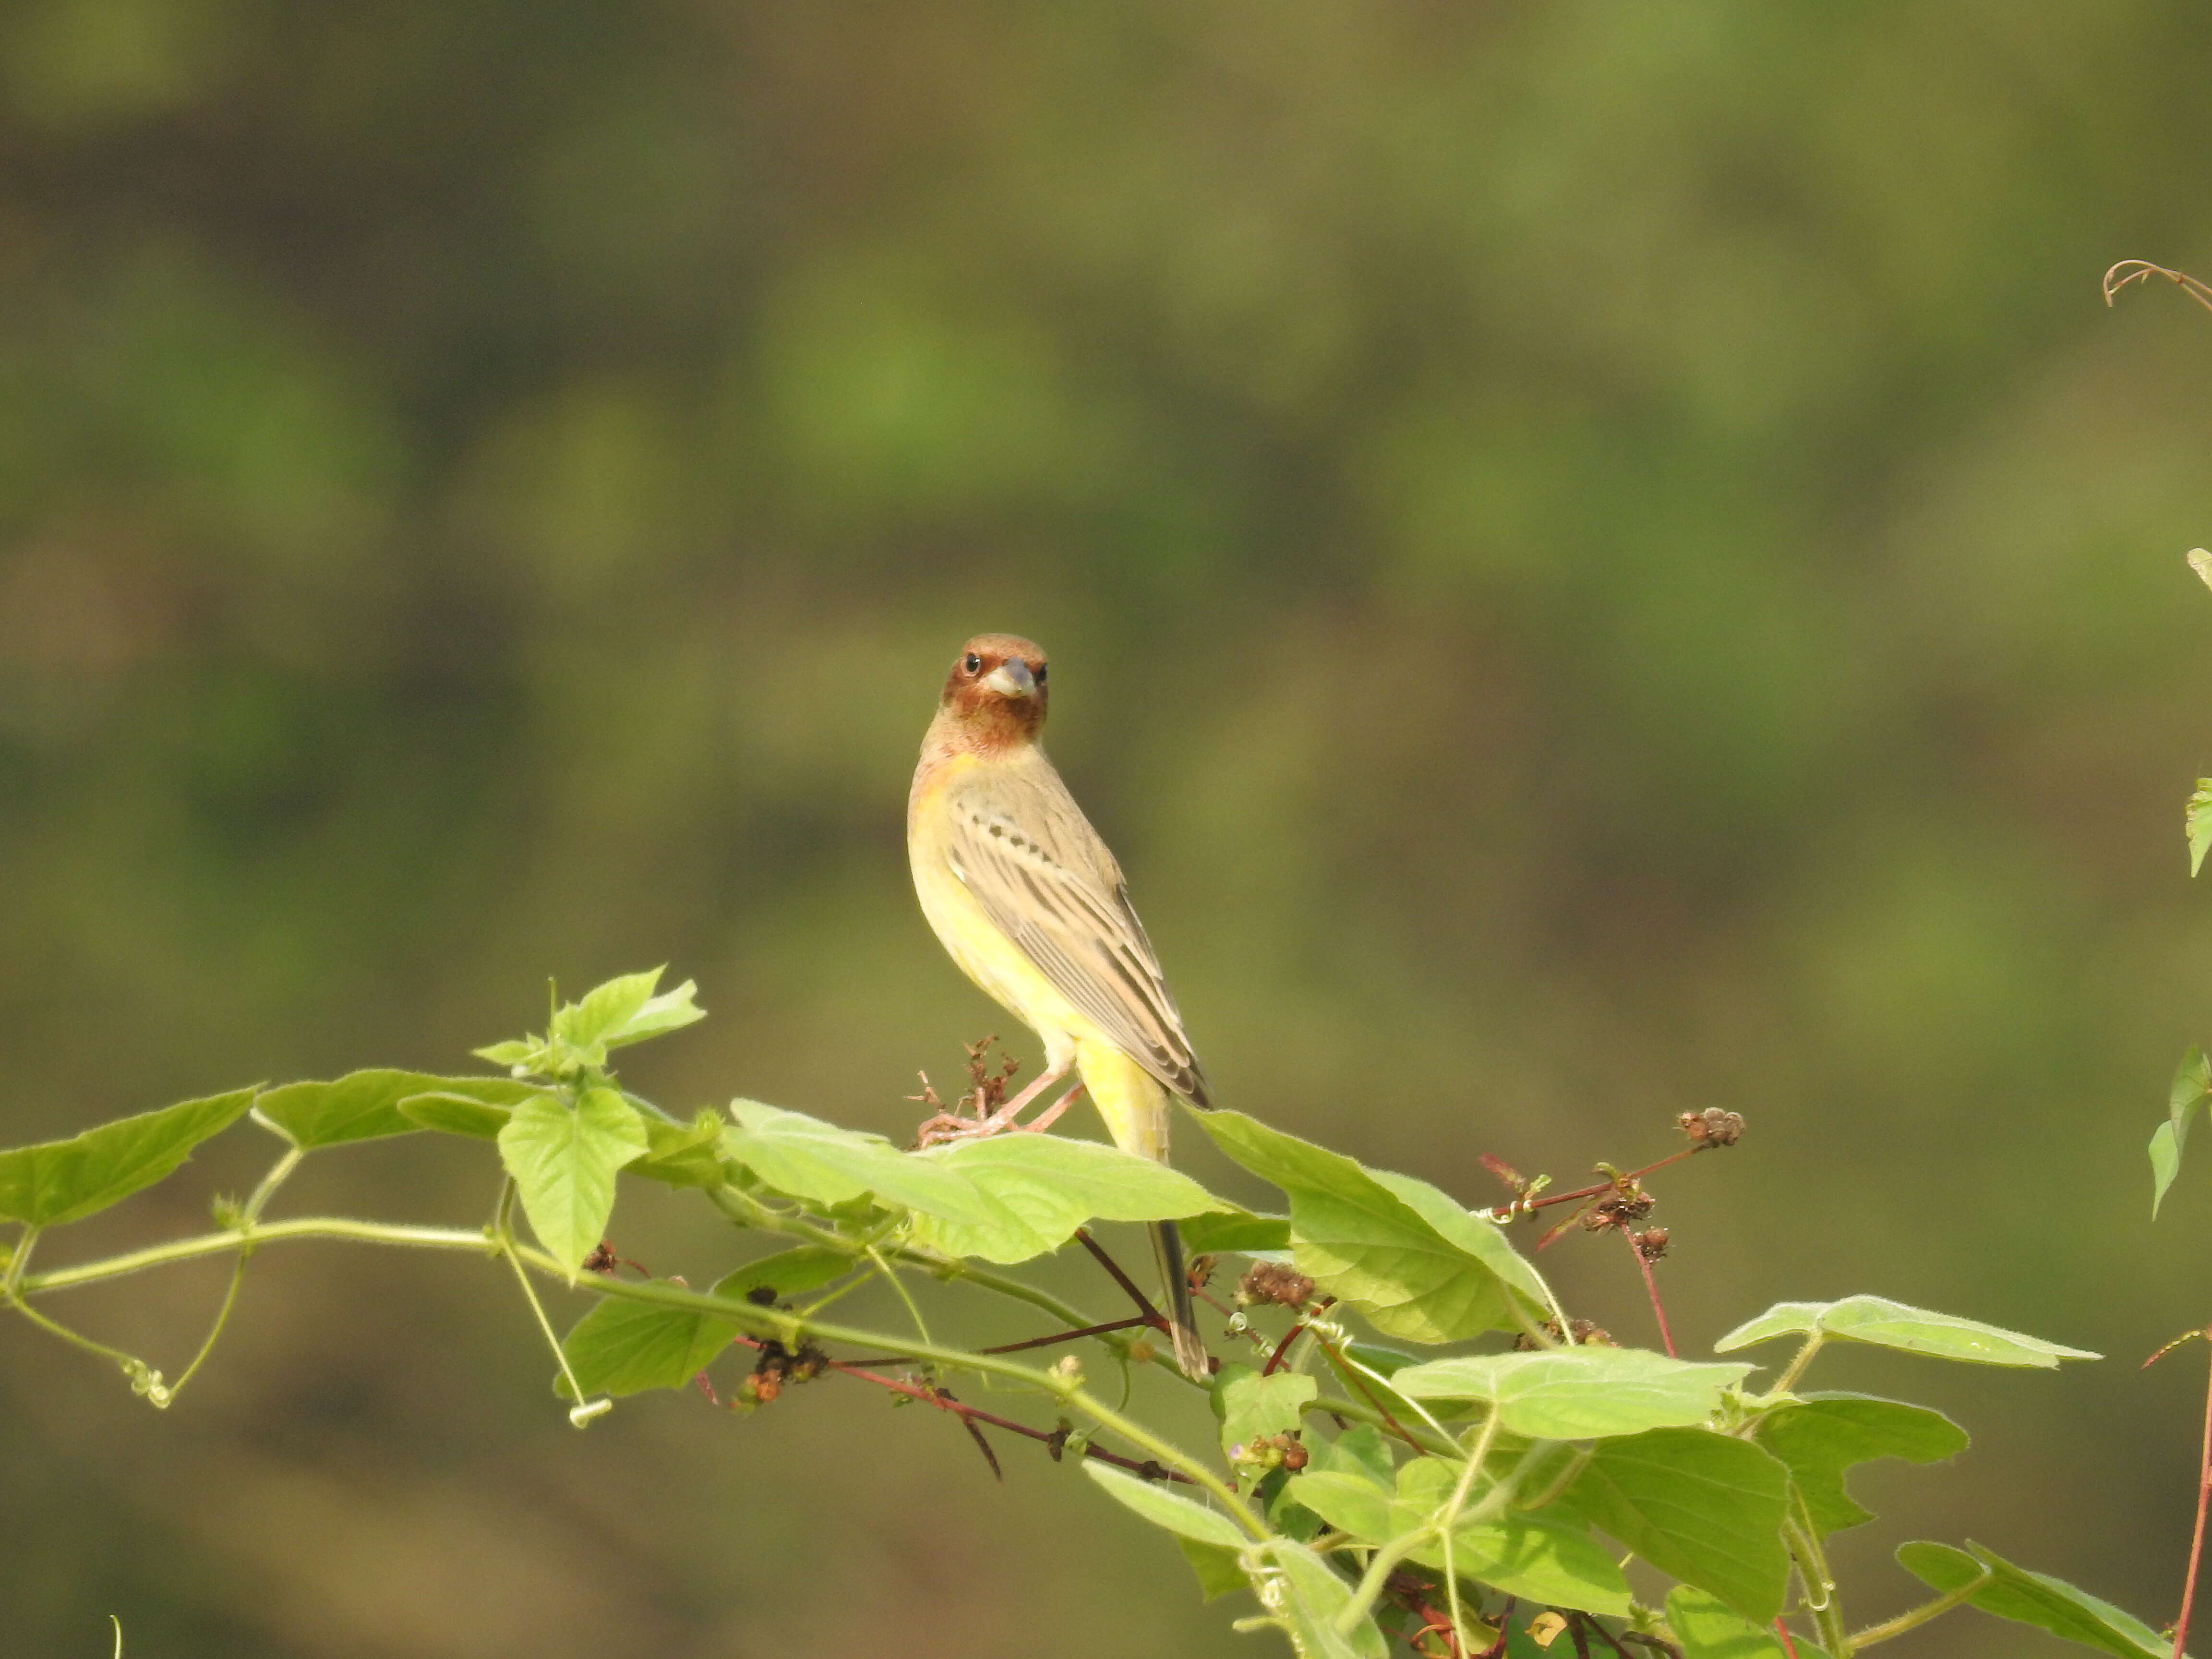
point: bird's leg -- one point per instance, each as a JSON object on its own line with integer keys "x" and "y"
{"x": 1004, "y": 1116}
{"x": 1045, "y": 1119}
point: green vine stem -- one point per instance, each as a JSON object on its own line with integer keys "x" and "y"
{"x": 1913, "y": 1617}
{"x": 1812, "y": 1570}
{"x": 787, "y": 1327}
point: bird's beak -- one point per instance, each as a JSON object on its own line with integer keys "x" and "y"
{"x": 1011, "y": 678}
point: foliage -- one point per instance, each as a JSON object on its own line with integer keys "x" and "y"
{"x": 1476, "y": 1501}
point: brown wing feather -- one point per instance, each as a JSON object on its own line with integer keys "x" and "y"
{"x": 1021, "y": 845}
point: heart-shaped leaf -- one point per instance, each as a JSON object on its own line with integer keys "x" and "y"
{"x": 563, "y": 1161}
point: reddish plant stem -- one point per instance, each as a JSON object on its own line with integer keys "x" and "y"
{"x": 1133, "y": 1320}
{"x": 1507, "y": 1212}
{"x": 1283, "y": 1347}
{"x": 1055, "y": 1438}
{"x": 1651, "y": 1284}
{"x": 2197, "y": 1539}
{"x": 1789, "y": 1646}
{"x": 1152, "y": 1315}
{"x": 1346, "y": 1370}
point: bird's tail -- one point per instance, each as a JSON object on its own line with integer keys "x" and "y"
{"x": 1135, "y": 1108}
{"x": 1182, "y": 1319}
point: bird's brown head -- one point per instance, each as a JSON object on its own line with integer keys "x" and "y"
{"x": 996, "y": 696}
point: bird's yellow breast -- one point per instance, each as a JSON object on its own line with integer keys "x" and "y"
{"x": 969, "y": 937}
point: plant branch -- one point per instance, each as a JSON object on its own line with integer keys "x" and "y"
{"x": 1529, "y": 1207}
{"x": 1651, "y": 1284}
{"x": 1804, "y": 1543}
{"x": 2142, "y": 271}
{"x": 1913, "y": 1617}
{"x": 1132, "y": 1321}
{"x": 2197, "y": 1538}
{"x": 1152, "y": 1469}
{"x": 1152, "y": 1315}
{"x": 1335, "y": 1406}
{"x": 187, "y": 1250}
{"x": 1796, "y": 1369}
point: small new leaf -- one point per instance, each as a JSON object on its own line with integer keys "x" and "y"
{"x": 2193, "y": 1083}
{"x": 2199, "y": 821}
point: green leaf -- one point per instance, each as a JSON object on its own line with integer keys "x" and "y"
{"x": 683, "y": 1154}
{"x": 1577, "y": 1394}
{"x": 1539, "y": 1559}
{"x": 1219, "y": 1570}
{"x": 359, "y": 1106}
{"x": 1313, "y": 1596}
{"x": 788, "y": 1272}
{"x": 621, "y": 1012}
{"x": 1402, "y": 1253}
{"x": 563, "y": 1162}
{"x": 671, "y": 1011}
{"x": 1360, "y": 1451}
{"x": 1235, "y": 1230}
{"x": 1705, "y": 1508}
{"x": 1350, "y": 1502}
{"x": 474, "y": 1106}
{"x": 1044, "y": 1187}
{"x": 2199, "y": 822}
{"x": 1707, "y": 1629}
{"x": 1822, "y": 1435}
{"x": 1543, "y": 1559}
{"x": 623, "y": 1348}
{"x": 1154, "y": 1501}
{"x": 62, "y": 1181}
{"x": 1253, "y": 1406}
{"x": 2193, "y": 1083}
{"x": 2034, "y": 1598}
{"x": 588, "y": 1022}
{"x": 1893, "y": 1325}
{"x": 821, "y": 1163}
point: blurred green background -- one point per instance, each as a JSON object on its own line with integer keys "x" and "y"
{"x": 1602, "y": 559}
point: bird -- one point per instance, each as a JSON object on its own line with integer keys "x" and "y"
{"x": 1024, "y": 896}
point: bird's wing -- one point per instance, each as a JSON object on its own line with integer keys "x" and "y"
{"x": 1020, "y": 844}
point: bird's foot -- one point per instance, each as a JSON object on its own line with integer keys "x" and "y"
{"x": 947, "y": 1127}
{"x": 1045, "y": 1119}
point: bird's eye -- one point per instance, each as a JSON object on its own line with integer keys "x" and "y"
{"x": 1039, "y": 673}
{"x": 972, "y": 663}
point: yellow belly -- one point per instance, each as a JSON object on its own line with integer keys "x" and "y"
{"x": 1133, "y": 1105}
